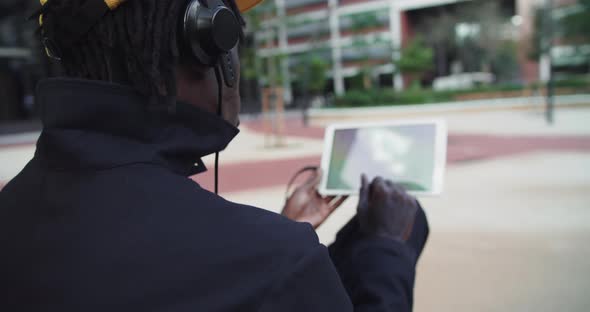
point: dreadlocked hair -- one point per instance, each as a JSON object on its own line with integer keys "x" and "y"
{"x": 138, "y": 41}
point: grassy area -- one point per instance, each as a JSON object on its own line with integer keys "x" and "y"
{"x": 388, "y": 97}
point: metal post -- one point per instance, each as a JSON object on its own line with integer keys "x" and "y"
{"x": 549, "y": 32}
{"x": 550, "y": 97}
{"x": 271, "y": 74}
{"x": 306, "y": 98}
{"x": 283, "y": 47}
{"x": 336, "y": 48}
{"x": 395, "y": 27}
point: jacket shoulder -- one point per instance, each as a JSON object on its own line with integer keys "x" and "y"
{"x": 190, "y": 201}
{"x": 264, "y": 225}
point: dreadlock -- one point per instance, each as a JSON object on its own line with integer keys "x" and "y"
{"x": 135, "y": 44}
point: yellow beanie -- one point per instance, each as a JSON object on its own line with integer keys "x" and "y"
{"x": 243, "y": 5}
{"x": 112, "y": 4}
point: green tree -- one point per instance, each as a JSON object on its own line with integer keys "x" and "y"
{"x": 571, "y": 25}
{"x": 362, "y": 21}
{"x": 416, "y": 59}
{"x": 439, "y": 33}
{"x": 536, "y": 44}
{"x": 365, "y": 47}
{"x": 576, "y": 28}
{"x": 311, "y": 67}
{"x": 505, "y": 62}
{"x": 318, "y": 67}
{"x": 252, "y": 64}
{"x": 576, "y": 25}
{"x": 472, "y": 34}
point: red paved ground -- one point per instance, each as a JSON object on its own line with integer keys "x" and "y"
{"x": 293, "y": 127}
{"x": 462, "y": 148}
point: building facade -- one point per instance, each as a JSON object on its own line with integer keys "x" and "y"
{"x": 296, "y": 27}
{"x": 351, "y": 36}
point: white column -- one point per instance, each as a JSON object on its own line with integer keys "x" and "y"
{"x": 544, "y": 67}
{"x": 283, "y": 45}
{"x": 336, "y": 48}
{"x": 395, "y": 27}
{"x": 545, "y": 61}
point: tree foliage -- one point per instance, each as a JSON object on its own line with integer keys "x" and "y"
{"x": 416, "y": 59}
{"x": 472, "y": 35}
{"x": 311, "y": 72}
{"x": 361, "y": 21}
{"x": 577, "y": 24}
{"x": 536, "y": 48}
{"x": 571, "y": 26}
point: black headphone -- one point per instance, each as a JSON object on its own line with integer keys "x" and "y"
{"x": 209, "y": 30}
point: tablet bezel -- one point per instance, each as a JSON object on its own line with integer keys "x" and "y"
{"x": 440, "y": 150}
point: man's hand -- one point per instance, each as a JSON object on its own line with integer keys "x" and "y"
{"x": 307, "y": 205}
{"x": 385, "y": 209}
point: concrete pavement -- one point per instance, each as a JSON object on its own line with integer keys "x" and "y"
{"x": 509, "y": 234}
{"x": 510, "y": 231}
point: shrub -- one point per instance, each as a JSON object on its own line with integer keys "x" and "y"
{"x": 355, "y": 99}
{"x": 381, "y": 97}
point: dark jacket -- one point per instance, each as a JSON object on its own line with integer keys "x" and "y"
{"x": 379, "y": 273}
{"x": 104, "y": 218}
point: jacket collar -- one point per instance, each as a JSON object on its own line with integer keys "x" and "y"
{"x": 91, "y": 125}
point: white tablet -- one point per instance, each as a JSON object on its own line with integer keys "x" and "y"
{"x": 411, "y": 153}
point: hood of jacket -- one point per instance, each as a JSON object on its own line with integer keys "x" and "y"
{"x": 92, "y": 125}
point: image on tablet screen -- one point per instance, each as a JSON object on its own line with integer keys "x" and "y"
{"x": 402, "y": 153}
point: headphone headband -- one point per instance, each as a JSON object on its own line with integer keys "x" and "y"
{"x": 209, "y": 30}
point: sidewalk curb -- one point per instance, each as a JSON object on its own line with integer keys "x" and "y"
{"x": 18, "y": 140}
{"x": 521, "y": 103}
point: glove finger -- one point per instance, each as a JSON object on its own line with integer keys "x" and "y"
{"x": 364, "y": 181}
{"x": 363, "y": 194}
{"x": 377, "y": 188}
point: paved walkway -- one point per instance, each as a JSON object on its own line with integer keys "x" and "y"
{"x": 252, "y": 175}
{"x": 509, "y": 233}
{"x": 474, "y": 137}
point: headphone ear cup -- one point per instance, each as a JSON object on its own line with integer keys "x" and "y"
{"x": 190, "y": 33}
{"x": 228, "y": 70}
{"x": 209, "y": 30}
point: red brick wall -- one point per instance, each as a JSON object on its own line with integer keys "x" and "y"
{"x": 308, "y": 8}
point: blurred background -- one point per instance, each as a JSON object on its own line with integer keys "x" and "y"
{"x": 511, "y": 77}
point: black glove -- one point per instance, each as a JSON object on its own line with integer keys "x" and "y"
{"x": 386, "y": 210}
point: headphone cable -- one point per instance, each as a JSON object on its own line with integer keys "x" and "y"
{"x": 220, "y": 114}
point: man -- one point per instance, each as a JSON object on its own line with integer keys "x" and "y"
{"x": 105, "y": 218}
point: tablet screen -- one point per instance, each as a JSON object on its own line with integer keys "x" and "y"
{"x": 407, "y": 154}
